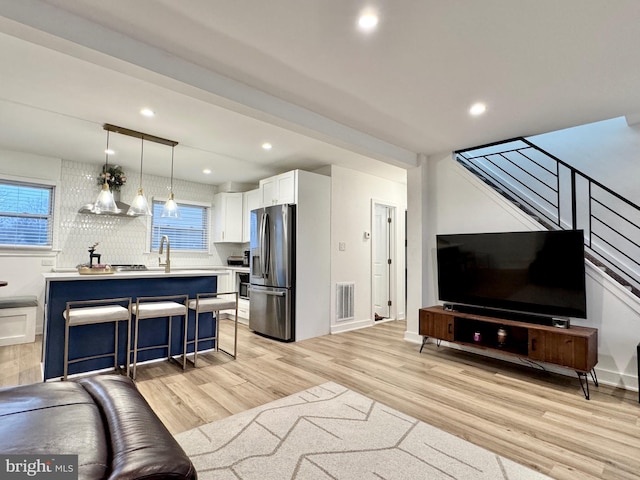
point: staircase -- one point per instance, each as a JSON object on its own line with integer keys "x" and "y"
{"x": 561, "y": 197}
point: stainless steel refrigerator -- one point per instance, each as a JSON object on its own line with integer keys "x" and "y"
{"x": 272, "y": 271}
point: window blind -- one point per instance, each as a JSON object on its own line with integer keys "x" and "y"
{"x": 26, "y": 214}
{"x": 190, "y": 232}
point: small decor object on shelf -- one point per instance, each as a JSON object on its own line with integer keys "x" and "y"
{"x": 477, "y": 337}
{"x": 113, "y": 175}
{"x": 502, "y": 337}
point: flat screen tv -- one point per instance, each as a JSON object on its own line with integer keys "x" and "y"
{"x": 538, "y": 273}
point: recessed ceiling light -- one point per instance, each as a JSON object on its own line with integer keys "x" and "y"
{"x": 109, "y": 152}
{"x": 267, "y": 146}
{"x": 477, "y": 109}
{"x": 368, "y": 20}
{"x": 206, "y": 171}
{"x": 147, "y": 112}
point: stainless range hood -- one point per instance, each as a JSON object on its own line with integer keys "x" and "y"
{"x": 123, "y": 208}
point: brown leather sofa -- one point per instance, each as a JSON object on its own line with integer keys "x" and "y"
{"x": 103, "y": 419}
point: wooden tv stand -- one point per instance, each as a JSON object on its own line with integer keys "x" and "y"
{"x": 575, "y": 347}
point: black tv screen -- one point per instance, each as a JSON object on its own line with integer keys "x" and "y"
{"x": 540, "y": 272}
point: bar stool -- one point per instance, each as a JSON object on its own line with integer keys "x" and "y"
{"x": 92, "y": 312}
{"x": 213, "y": 303}
{"x": 158, "y": 307}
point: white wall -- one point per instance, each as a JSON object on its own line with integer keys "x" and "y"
{"x": 29, "y": 166}
{"x": 352, "y": 193}
{"x": 458, "y": 202}
{"x": 606, "y": 151}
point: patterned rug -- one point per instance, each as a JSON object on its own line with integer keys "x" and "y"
{"x": 330, "y": 432}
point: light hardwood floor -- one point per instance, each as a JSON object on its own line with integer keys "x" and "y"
{"x": 539, "y": 419}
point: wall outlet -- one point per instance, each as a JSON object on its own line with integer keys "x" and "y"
{"x": 342, "y": 246}
{"x": 47, "y": 262}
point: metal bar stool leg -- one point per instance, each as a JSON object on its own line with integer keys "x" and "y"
{"x": 66, "y": 345}
{"x": 196, "y": 337}
{"x": 235, "y": 333}
{"x": 135, "y": 348}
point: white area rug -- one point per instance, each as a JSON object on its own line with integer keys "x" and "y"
{"x": 331, "y": 432}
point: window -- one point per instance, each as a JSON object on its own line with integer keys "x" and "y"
{"x": 190, "y": 232}
{"x": 26, "y": 214}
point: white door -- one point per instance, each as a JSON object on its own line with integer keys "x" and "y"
{"x": 382, "y": 260}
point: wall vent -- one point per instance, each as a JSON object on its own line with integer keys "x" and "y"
{"x": 345, "y": 301}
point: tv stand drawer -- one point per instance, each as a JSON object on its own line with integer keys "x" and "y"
{"x": 436, "y": 325}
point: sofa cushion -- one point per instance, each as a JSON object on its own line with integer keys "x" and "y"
{"x": 54, "y": 418}
{"x": 41, "y": 395}
{"x": 141, "y": 445}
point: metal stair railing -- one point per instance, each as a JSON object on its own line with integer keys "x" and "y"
{"x": 562, "y": 197}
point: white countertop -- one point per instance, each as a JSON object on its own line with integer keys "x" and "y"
{"x": 151, "y": 273}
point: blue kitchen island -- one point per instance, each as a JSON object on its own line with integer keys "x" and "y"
{"x": 90, "y": 340}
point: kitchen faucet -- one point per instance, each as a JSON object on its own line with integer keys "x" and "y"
{"x": 167, "y": 261}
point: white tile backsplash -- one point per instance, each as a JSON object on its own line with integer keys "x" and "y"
{"x": 123, "y": 239}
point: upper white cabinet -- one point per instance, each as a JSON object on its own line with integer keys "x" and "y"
{"x": 251, "y": 201}
{"x": 227, "y": 215}
{"x": 279, "y": 189}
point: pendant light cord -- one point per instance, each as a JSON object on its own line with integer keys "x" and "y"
{"x": 172, "y": 150}
{"x": 141, "y": 159}
{"x": 106, "y": 159}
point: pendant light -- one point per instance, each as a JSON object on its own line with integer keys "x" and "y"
{"x": 105, "y": 202}
{"x": 170, "y": 208}
{"x": 140, "y": 206}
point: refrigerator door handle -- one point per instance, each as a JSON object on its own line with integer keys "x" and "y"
{"x": 261, "y": 243}
{"x": 268, "y": 292}
{"x": 264, "y": 245}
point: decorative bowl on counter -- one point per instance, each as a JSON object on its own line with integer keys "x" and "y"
{"x": 98, "y": 269}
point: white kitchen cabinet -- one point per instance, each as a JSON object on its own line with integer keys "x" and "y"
{"x": 279, "y": 189}
{"x": 227, "y": 214}
{"x": 250, "y": 201}
{"x": 243, "y": 311}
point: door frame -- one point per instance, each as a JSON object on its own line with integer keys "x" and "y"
{"x": 393, "y": 234}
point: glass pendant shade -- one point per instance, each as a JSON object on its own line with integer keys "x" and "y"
{"x": 139, "y": 206}
{"x": 105, "y": 202}
{"x": 170, "y": 208}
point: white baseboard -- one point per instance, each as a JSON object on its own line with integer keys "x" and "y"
{"x": 617, "y": 379}
{"x": 348, "y": 326}
{"x": 412, "y": 337}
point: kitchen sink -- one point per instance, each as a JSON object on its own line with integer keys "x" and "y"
{"x": 129, "y": 268}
